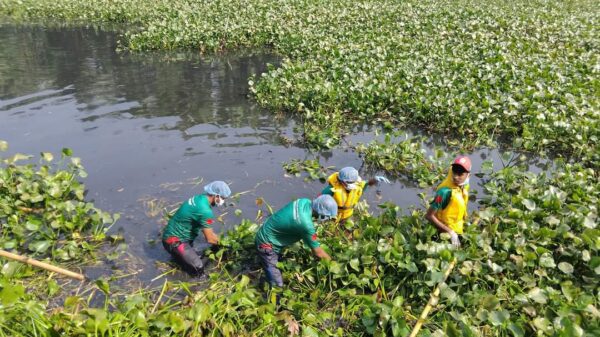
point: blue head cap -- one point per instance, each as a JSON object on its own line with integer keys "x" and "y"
{"x": 348, "y": 174}
{"x": 325, "y": 206}
{"x": 219, "y": 188}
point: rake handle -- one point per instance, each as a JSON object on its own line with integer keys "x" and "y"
{"x": 42, "y": 265}
{"x": 432, "y": 301}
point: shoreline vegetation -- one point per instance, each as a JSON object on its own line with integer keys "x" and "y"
{"x": 473, "y": 71}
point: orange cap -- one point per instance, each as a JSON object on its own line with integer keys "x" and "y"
{"x": 463, "y": 161}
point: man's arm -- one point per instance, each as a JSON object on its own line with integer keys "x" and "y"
{"x": 210, "y": 236}
{"x": 442, "y": 226}
{"x": 321, "y": 253}
{"x": 437, "y": 222}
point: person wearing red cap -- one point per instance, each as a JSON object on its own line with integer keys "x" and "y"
{"x": 448, "y": 210}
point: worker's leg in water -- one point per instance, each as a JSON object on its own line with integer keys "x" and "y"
{"x": 269, "y": 259}
{"x": 186, "y": 255}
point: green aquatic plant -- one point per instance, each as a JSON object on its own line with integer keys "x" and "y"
{"x": 311, "y": 167}
{"x": 406, "y": 158}
{"x": 43, "y": 209}
{"x": 474, "y": 71}
{"x": 528, "y": 267}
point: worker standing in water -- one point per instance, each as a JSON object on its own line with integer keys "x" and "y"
{"x": 448, "y": 210}
{"x": 194, "y": 215}
{"x": 292, "y": 223}
{"x": 346, "y": 187}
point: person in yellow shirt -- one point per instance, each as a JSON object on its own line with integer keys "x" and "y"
{"x": 346, "y": 187}
{"x": 448, "y": 210}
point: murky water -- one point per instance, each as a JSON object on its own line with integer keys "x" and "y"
{"x": 152, "y": 129}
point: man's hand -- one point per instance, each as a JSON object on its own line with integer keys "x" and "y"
{"x": 454, "y": 239}
{"x": 210, "y": 236}
{"x": 321, "y": 253}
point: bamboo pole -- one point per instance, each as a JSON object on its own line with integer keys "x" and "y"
{"x": 432, "y": 301}
{"x": 40, "y": 264}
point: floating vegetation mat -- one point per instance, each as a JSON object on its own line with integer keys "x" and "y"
{"x": 473, "y": 71}
{"x": 529, "y": 266}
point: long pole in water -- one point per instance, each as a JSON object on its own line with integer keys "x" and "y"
{"x": 42, "y": 265}
{"x": 432, "y": 301}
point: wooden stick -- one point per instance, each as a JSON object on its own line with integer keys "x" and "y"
{"x": 432, "y": 301}
{"x": 40, "y": 264}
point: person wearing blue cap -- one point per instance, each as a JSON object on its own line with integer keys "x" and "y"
{"x": 292, "y": 223}
{"x": 194, "y": 215}
{"x": 346, "y": 187}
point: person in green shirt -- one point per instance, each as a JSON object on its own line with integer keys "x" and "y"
{"x": 292, "y": 223}
{"x": 194, "y": 215}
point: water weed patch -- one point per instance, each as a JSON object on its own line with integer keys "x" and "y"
{"x": 43, "y": 209}
{"x": 474, "y": 70}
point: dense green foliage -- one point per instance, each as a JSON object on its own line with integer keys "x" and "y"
{"x": 474, "y": 70}
{"x": 527, "y": 70}
{"x": 529, "y": 267}
{"x": 43, "y": 211}
{"x": 407, "y": 158}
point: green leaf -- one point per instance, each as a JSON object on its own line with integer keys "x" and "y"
{"x": 529, "y": 204}
{"x": 451, "y": 330}
{"x": 103, "y": 286}
{"x": 516, "y": 330}
{"x": 10, "y": 268}
{"x": 67, "y": 152}
{"x": 547, "y": 261}
{"x": 537, "y": 295}
{"x": 11, "y": 293}
{"x": 200, "y": 312}
{"x": 17, "y": 157}
{"x": 566, "y": 267}
{"x": 39, "y": 246}
{"x": 52, "y": 288}
{"x": 497, "y": 318}
{"x": 47, "y": 156}
{"x": 334, "y": 267}
{"x": 3, "y": 145}
{"x": 354, "y": 263}
{"x": 33, "y": 225}
{"x": 309, "y": 332}
{"x": 490, "y": 302}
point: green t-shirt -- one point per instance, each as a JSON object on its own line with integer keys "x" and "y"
{"x": 441, "y": 198}
{"x": 289, "y": 225}
{"x": 191, "y": 216}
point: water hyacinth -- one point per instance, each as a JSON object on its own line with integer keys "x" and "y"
{"x": 43, "y": 211}
{"x": 474, "y": 70}
{"x": 528, "y": 267}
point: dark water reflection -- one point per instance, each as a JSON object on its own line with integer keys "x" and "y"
{"x": 152, "y": 128}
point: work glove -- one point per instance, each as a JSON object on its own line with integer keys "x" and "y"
{"x": 454, "y": 239}
{"x": 382, "y": 179}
